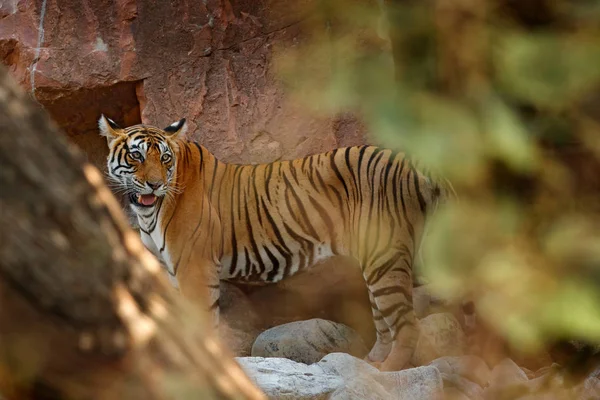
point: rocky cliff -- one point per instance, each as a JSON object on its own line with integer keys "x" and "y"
{"x": 158, "y": 61}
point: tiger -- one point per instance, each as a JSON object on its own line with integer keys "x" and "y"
{"x": 209, "y": 220}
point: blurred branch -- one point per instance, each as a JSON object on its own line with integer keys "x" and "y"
{"x": 85, "y": 310}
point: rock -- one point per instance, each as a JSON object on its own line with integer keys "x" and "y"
{"x": 507, "y": 372}
{"x": 590, "y": 389}
{"x": 339, "y": 376}
{"x": 545, "y": 370}
{"x": 440, "y": 335}
{"x": 414, "y": 383}
{"x": 472, "y": 390}
{"x": 470, "y": 367}
{"x": 308, "y": 341}
{"x": 452, "y": 393}
{"x": 551, "y": 381}
{"x": 340, "y": 296}
{"x": 507, "y": 380}
{"x": 528, "y": 373}
{"x": 281, "y": 378}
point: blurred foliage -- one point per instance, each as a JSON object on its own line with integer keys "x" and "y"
{"x": 503, "y": 99}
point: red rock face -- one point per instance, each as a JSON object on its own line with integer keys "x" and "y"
{"x": 158, "y": 61}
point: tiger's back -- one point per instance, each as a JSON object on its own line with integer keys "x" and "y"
{"x": 286, "y": 216}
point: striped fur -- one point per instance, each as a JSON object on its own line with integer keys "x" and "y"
{"x": 263, "y": 223}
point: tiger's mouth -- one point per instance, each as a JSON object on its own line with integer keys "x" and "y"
{"x": 143, "y": 200}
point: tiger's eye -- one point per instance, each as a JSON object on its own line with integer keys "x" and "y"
{"x": 136, "y": 155}
{"x": 165, "y": 158}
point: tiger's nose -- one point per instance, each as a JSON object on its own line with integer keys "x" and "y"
{"x": 154, "y": 185}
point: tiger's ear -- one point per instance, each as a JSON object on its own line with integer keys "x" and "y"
{"x": 178, "y": 128}
{"x": 109, "y": 129}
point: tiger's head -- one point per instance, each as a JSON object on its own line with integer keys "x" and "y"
{"x": 142, "y": 160}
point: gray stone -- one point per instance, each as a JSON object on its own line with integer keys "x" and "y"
{"x": 339, "y": 376}
{"x": 363, "y": 381}
{"x": 470, "y": 367}
{"x": 281, "y": 378}
{"x": 308, "y": 341}
{"x": 590, "y": 389}
{"x": 440, "y": 335}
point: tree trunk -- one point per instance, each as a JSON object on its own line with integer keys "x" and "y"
{"x": 84, "y": 309}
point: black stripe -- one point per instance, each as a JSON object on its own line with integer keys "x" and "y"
{"x": 391, "y": 290}
{"x": 309, "y": 244}
{"x": 322, "y": 183}
{"x": 214, "y": 305}
{"x": 287, "y": 256}
{"x": 388, "y": 168}
{"x": 349, "y": 165}
{"x": 275, "y": 229}
{"x": 259, "y": 259}
{"x": 328, "y": 223}
{"x": 293, "y": 172}
{"x": 371, "y": 159}
{"x": 401, "y": 309}
{"x": 361, "y": 155}
{"x": 164, "y": 236}
{"x": 311, "y": 180}
{"x": 380, "y": 271}
{"x": 422, "y": 203}
{"x": 303, "y": 164}
{"x": 340, "y": 201}
{"x": 399, "y": 327}
{"x": 249, "y": 265}
{"x": 258, "y": 208}
{"x": 212, "y": 181}
{"x": 409, "y": 225}
{"x": 201, "y": 156}
{"x": 337, "y": 172}
{"x": 239, "y": 190}
{"x": 234, "y": 257}
{"x": 274, "y": 262}
{"x": 395, "y": 192}
{"x": 311, "y": 228}
{"x": 269, "y": 171}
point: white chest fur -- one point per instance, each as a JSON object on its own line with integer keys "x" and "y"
{"x": 155, "y": 243}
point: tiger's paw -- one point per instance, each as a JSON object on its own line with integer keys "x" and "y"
{"x": 376, "y": 364}
{"x": 390, "y": 364}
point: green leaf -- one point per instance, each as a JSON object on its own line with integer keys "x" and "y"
{"x": 549, "y": 70}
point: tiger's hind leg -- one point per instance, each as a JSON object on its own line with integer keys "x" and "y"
{"x": 383, "y": 345}
{"x": 390, "y": 285}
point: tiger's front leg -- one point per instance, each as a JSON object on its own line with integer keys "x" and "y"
{"x": 197, "y": 259}
{"x": 199, "y": 283}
